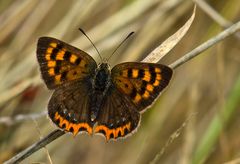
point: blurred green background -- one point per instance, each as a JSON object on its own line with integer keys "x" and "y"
{"x": 201, "y": 106}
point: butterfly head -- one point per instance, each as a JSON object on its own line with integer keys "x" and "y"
{"x": 104, "y": 66}
{"x": 102, "y": 75}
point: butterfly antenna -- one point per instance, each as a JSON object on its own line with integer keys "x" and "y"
{"x": 82, "y": 31}
{"x": 130, "y": 34}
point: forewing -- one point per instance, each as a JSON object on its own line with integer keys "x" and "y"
{"x": 68, "y": 107}
{"x": 118, "y": 116}
{"x": 141, "y": 82}
{"x": 61, "y": 62}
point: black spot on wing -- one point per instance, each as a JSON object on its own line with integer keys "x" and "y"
{"x": 78, "y": 60}
{"x": 67, "y": 55}
{"x": 63, "y": 76}
{"x": 141, "y": 73}
{"x": 153, "y": 77}
{"x": 133, "y": 93}
{"x": 143, "y": 87}
{"x": 130, "y": 72}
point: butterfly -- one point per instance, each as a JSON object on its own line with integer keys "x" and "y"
{"x": 90, "y": 97}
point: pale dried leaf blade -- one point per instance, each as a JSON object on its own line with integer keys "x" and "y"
{"x": 159, "y": 52}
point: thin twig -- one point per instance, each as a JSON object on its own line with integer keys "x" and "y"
{"x": 57, "y": 133}
{"x": 38, "y": 145}
{"x": 229, "y": 31}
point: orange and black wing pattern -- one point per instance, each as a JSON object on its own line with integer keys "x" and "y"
{"x": 61, "y": 63}
{"x": 134, "y": 87}
{"x": 141, "y": 82}
{"x": 69, "y": 71}
{"x": 118, "y": 116}
{"x": 68, "y": 107}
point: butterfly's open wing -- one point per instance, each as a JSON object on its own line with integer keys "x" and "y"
{"x": 61, "y": 62}
{"x": 141, "y": 82}
{"x": 69, "y": 71}
{"x": 118, "y": 116}
{"x": 68, "y": 107}
{"x": 133, "y": 88}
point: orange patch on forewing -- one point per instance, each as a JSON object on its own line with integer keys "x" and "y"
{"x": 51, "y": 72}
{"x": 51, "y": 63}
{"x": 147, "y": 76}
{"x": 149, "y": 87}
{"x": 156, "y": 83}
{"x": 137, "y": 98}
{"x": 146, "y": 95}
{"x": 60, "y": 55}
{"x": 73, "y": 58}
{"x": 49, "y": 50}
{"x": 54, "y": 45}
{"x": 158, "y": 77}
{"x": 48, "y": 56}
{"x": 135, "y": 73}
{"x": 157, "y": 70}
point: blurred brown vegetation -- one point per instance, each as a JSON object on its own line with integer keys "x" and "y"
{"x": 198, "y": 91}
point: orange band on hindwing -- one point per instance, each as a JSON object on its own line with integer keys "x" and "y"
{"x": 71, "y": 127}
{"x": 113, "y": 133}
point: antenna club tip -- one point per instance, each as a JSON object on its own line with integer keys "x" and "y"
{"x": 131, "y": 33}
{"x": 80, "y": 29}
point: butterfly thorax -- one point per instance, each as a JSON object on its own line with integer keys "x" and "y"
{"x": 100, "y": 85}
{"x": 102, "y": 77}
